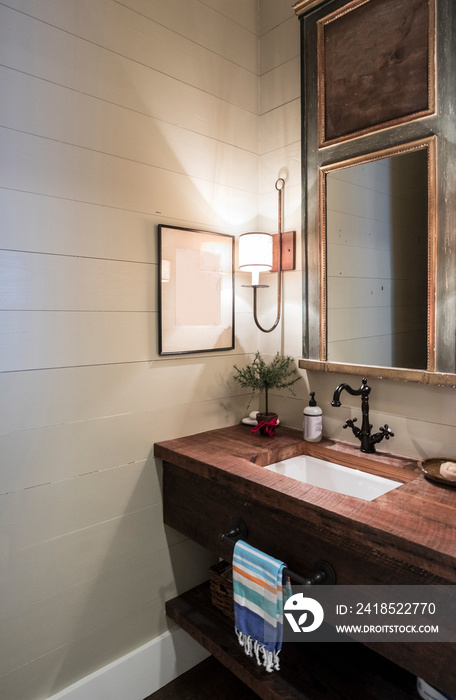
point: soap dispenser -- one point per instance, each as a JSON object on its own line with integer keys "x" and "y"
{"x": 313, "y": 422}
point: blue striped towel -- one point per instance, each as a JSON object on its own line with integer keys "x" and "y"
{"x": 258, "y": 603}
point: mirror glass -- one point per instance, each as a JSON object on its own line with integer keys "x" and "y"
{"x": 375, "y": 255}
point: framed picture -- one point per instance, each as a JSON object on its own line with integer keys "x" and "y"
{"x": 196, "y": 291}
{"x": 376, "y": 66}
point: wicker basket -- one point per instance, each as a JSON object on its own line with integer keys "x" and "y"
{"x": 221, "y": 583}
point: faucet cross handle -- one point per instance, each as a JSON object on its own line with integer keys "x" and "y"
{"x": 349, "y": 423}
{"x": 386, "y": 432}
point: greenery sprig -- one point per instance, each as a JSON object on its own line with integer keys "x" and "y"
{"x": 280, "y": 373}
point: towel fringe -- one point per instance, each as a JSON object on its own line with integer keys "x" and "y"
{"x": 268, "y": 659}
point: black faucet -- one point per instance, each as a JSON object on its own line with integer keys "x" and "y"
{"x": 363, "y": 434}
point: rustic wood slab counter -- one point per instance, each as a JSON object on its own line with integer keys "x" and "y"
{"x": 417, "y": 520}
{"x": 406, "y": 536}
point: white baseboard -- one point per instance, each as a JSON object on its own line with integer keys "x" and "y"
{"x": 141, "y": 672}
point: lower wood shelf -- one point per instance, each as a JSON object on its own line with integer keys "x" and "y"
{"x": 331, "y": 671}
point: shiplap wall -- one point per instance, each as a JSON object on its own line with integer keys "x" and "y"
{"x": 280, "y": 156}
{"x": 114, "y": 117}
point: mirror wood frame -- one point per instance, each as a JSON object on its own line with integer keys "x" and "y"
{"x": 436, "y": 129}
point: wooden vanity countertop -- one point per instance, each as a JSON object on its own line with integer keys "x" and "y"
{"x": 419, "y": 517}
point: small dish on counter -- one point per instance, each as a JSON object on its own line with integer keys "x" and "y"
{"x": 431, "y": 470}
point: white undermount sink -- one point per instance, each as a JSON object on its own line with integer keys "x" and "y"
{"x": 334, "y": 477}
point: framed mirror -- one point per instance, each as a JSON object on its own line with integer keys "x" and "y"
{"x": 379, "y": 177}
{"x": 377, "y": 264}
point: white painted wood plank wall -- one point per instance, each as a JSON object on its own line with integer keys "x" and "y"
{"x": 114, "y": 117}
{"x": 280, "y": 156}
{"x": 117, "y": 116}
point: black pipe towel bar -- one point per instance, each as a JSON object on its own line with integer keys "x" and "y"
{"x": 323, "y": 573}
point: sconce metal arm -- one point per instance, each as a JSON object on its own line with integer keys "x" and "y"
{"x": 279, "y": 185}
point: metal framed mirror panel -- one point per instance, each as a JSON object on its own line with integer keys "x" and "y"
{"x": 441, "y": 125}
{"x": 378, "y": 286}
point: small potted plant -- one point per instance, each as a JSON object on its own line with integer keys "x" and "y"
{"x": 280, "y": 373}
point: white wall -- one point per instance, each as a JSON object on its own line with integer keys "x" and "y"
{"x": 115, "y": 117}
{"x": 280, "y": 156}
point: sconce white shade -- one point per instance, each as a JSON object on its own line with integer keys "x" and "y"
{"x": 255, "y": 253}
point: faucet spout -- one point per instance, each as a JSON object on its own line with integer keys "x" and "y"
{"x": 354, "y": 392}
{"x": 336, "y": 398}
{"x": 368, "y": 441}
{"x": 363, "y": 390}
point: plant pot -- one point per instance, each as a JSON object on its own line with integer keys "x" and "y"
{"x": 266, "y": 418}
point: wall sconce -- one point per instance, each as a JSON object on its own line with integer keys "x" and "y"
{"x": 263, "y": 252}
{"x": 255, "y": 255}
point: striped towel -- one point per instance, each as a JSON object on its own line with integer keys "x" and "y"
{"x": 258, "y": 603}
